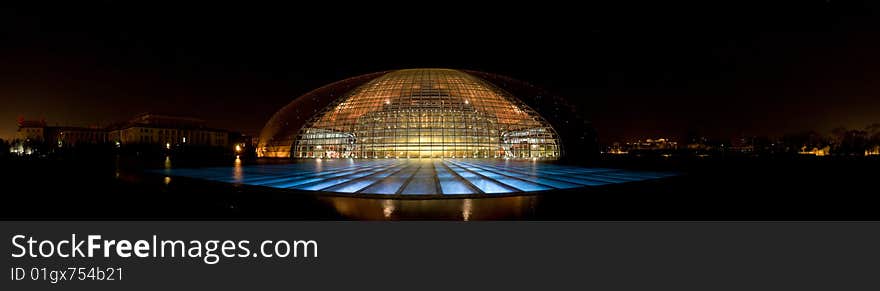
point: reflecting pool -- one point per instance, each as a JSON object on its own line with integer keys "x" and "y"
{"x": 417, "y": 178}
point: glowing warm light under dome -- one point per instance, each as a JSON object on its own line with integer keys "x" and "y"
{"x": 418, "y": 113}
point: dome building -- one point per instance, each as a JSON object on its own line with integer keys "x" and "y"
{"x": 412, "y": 113}
{"x": 423, "y": 134}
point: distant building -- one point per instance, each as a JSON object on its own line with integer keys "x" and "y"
{"x": 617, "y": 148}
{"x": 155, "y": 129}
{"x": 61, "y": 136}
{"x": 36, "y": 136}
{"x": 698, "y": 143}
{"x": 816, "y": 151}
{"x": 742, "y": 145}
{"x": 873, "y": 151}
{"x": 31, "y": 130}
{"x": 145, "y": 129}
{"x": 652, "y": 145}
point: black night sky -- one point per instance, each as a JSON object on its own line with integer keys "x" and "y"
{"x": 635, "y": 70}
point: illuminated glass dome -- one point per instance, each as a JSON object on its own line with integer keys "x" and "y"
{"x": 414, "y": 113}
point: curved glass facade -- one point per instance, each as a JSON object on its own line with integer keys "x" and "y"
{"x": 276, "y": 138}
{"x": 426, "y": 113}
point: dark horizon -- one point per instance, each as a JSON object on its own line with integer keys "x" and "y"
{"x": 662, "y": 71}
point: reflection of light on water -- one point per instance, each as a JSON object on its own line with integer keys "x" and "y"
{"x": 237, "y": 173}
{"x": 387, "y": 208}
{"x": 167, "y": 180}
{"x": 466, "y": 206}
{"x": 167, "y": 162}
{"x": 116, "y": 167}
{"x": 447, "y": 209}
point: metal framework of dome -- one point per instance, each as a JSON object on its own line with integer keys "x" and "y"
{"x": 413, "y": 113}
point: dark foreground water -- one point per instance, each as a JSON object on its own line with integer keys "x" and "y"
{"x": 129, "y": 188}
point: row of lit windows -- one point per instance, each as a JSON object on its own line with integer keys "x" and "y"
{"x": 422, "y": 138}
{"x": 423, "y": 130}
{"x": 479, "y": 153}
{"x": 176, "y": 132}
{"x": 77, "y": 134}
{"x": 373, "y": 118}
{"x": 158, "y": 136}
{"x": 424, "y": 113}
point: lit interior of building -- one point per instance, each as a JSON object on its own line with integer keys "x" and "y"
{"x": 419, "y": 113}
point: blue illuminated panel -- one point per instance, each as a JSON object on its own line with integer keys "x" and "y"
{"x": 485, "y": 184}
{"x": 417, "y": 176}
{"x": 450, "y": 184}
